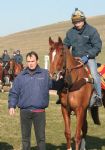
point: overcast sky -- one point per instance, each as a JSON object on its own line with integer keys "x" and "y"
{"x": 20, "y": 15}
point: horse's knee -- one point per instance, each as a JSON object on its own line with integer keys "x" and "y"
{"x": 67, "y": 135}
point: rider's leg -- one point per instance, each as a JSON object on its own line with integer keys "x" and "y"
{"x": 97, "y": 82}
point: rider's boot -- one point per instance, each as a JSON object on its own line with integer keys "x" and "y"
{"x": 58, "y": 101}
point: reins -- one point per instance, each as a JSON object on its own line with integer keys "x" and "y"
{"x": 76, "y": 67}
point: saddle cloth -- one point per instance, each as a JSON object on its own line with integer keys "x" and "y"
{"x": 101, "y": 71}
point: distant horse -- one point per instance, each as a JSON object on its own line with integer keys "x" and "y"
{"x": 4, "y": 75}
{"x": 8, "y": 72}
{"x": 14, "y": 68}
{"x": 76, "y": 94}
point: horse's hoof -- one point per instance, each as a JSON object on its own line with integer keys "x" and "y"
{"x": 69, "y": 149}
{"x": 83, "y": 144}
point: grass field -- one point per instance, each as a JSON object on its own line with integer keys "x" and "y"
{"x": 10, "y": 137}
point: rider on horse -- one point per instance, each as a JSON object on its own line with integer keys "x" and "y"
{"x": 18, "y": 57}
{"x": 86, "y": 44}
{"x": 5, "y": 73}
{"x": 5, "y": 58}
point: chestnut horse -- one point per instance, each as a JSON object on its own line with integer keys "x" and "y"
{"x": 76, "y": 94}
{"x": 4, "y": 74}
{"x": 14, "y": 68}
{"x": 9, "y": 72}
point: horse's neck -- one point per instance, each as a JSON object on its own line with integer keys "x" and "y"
{"x": 70, "y": 61}
{"x": 1, "y": 67}
{"x": 70, "y": 64}
{"x": 17, "y": 68}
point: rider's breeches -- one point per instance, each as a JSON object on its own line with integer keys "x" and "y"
{"x": 97, "y": 81}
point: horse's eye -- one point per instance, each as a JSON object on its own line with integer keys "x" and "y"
{"x": 51, "y": 48}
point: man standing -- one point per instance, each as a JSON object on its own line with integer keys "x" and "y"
{"x": 86, "y": 44}
{"x": 30, "y": 92}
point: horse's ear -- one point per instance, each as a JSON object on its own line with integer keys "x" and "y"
{"x": 59, "y": 40}
{"x": 51, "y": 41}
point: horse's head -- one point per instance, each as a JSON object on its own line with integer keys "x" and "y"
{"x": 11, "y": 63}
{"x": 56, "y": 55}
{"x": 14, "y": 67}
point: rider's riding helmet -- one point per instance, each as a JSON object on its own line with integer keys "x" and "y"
{"x": 18, "y": 51}
{"x": 5, "y": 51}
{"x": 78, "y": 16}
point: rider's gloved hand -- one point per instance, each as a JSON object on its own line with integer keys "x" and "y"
{"x": 85, "y": 59}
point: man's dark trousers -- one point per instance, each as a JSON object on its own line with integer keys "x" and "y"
{"x": 28, "y": 117}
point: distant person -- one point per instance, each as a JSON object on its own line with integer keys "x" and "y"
{"x": 86, "y": 44}
{"x": 30, "y": 92}
{"x": 5, "y": 58}
{"x": 18, "y": 57}
{"x": 14, "y": 55}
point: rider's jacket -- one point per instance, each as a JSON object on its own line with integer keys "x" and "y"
{"x": 84, "y": 42}
{"x": 18, "y": 58}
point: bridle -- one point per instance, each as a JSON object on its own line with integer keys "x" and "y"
{"x": 64, "y": 69}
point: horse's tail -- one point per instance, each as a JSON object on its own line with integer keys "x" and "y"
{"x": 95, "y": 115}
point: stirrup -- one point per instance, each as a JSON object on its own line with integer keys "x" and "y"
{"x": 89, "y": 80}
{"x": 98, "y": 101}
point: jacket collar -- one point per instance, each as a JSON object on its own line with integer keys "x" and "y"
{"x": 81, "y": 30}
{"x": 37, "y": 70}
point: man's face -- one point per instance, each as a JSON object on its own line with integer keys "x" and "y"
{"x": 31, "y": 62}
{"x": 79, "y": 25}
{"x": 18, "y": 52}
{"x": 5, "y": 52}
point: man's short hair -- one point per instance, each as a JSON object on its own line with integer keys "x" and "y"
{"x": 5, "y": 50}
{"x": 32, "y": 53}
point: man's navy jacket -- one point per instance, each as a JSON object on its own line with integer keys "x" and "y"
{"x": 31, "y": 91}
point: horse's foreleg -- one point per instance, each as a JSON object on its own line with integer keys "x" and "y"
{"x": 66, "y": 116}
{"x": 68, "y": 137}
{"x": 80, "y": 119}
{"x": 84, "y": 132}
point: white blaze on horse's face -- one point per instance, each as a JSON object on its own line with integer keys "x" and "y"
{"x": 53, "y": 55}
